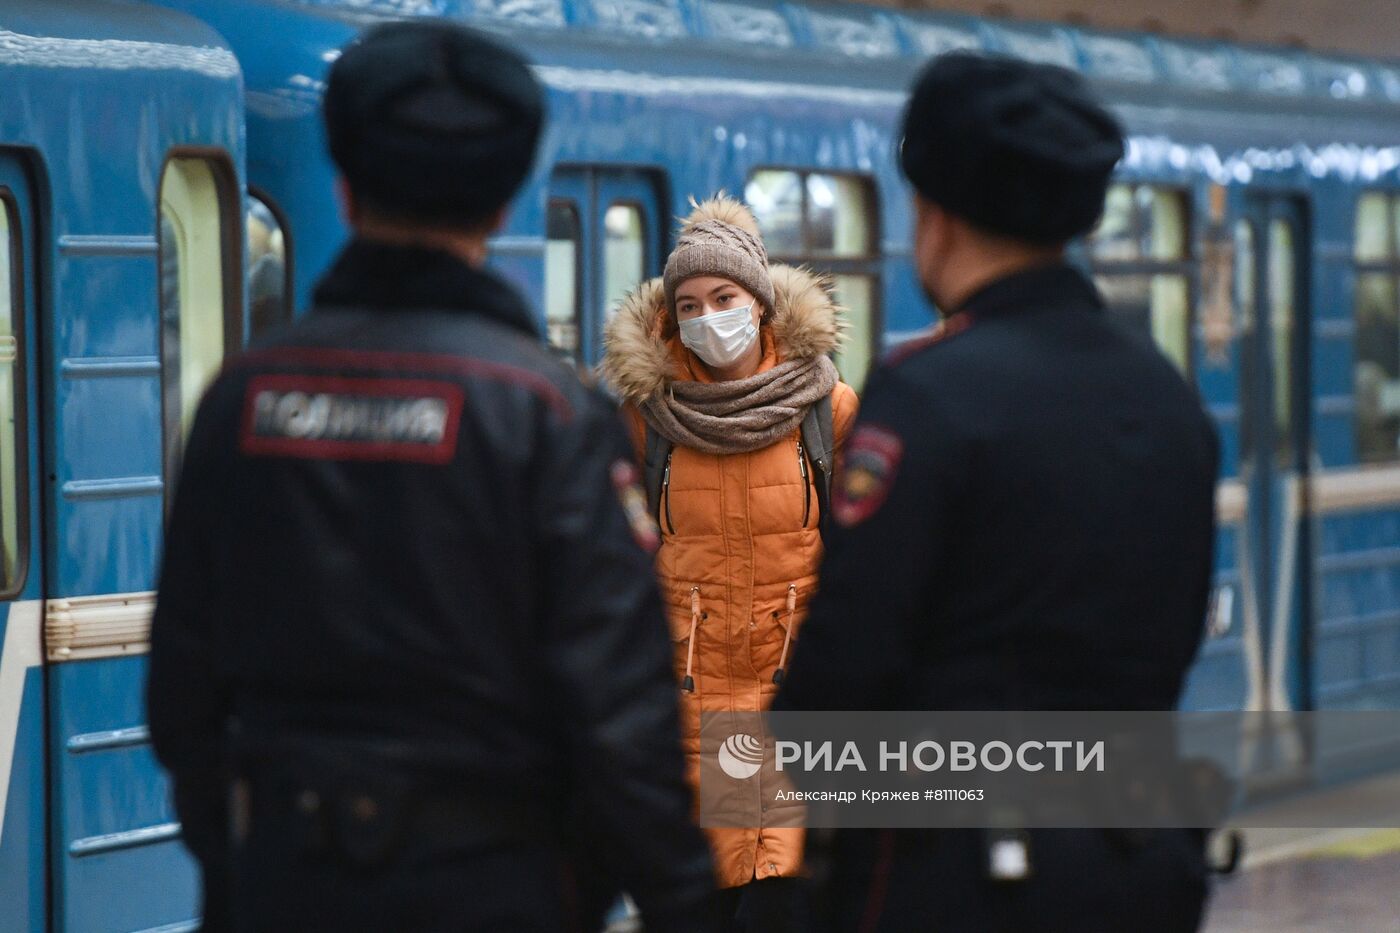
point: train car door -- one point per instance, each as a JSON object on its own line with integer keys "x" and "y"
{"x": 23, "y": 839}
{"x": 1276, "y": 444}
{"x": 627, "y": 225}
{"x": 602, "y": 239}
{"x": 168, "y": 269}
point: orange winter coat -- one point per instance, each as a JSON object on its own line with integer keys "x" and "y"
{"x": 739, "y": 537}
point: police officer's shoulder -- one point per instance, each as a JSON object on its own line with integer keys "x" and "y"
{"x": 521, "y": 358}
{"x": 937, "y": 335}
{"x": 953, "y": 349}
{"x": 277, "y": 335}
{"x": 574, "y": 382}
{"x": 1140, "y": 354}
{"x": 924, "y": 382}
{"x": 905, "y": 389}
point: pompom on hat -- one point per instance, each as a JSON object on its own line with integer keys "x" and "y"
{"x": 720, "y": 238}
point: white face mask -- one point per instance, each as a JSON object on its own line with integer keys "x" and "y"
{"x": 721, "y": 338}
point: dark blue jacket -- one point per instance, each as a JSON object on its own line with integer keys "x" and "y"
{"x": 400, "y": 526}
{"x": 1029, "y": 519}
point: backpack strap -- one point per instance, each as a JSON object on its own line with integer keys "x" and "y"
{"x": 819, "y": 441}
{"x": 658, "y": 449}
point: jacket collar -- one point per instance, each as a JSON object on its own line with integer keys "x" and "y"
{"x": 386, "y": 277}
{"x": 1055, "y": 285}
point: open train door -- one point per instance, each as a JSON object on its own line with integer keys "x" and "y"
{"x": 23, "y": 836}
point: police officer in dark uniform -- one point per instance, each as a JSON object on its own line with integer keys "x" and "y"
{"x": 409, "y": 668}
{"x": 1025, "y": 517}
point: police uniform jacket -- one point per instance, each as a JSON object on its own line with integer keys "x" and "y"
{"x": 402, "y": 523}
{"x": 1024, "y": 519}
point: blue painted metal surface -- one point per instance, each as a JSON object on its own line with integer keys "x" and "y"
{"x": 24, "y": 847}
{"x": 97, "y": 96}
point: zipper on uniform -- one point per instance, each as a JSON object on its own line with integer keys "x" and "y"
{"x": 666, "y": 494}
{"x": 806, "y": 486}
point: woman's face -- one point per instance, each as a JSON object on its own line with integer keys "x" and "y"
{"x": 707, "y": 294}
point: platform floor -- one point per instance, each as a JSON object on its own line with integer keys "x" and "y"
{"x": 1317, "y": 880}
{"x": 1349, "y": 885}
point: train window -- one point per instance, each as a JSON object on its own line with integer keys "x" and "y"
{"x": 1246, "y": 299}
{"x": 1282, "y": 276}
{"x": 562, "y": 258}
{"x": 827, "y": 222}
{"x": 624, "y": 253}
{"x": 853, "y": 359}
{"x": 199, "y": 318}
{"x": 11, "y": 407}
{"x": 1377, "y": 342}
{"x": 1244, "y": 273}
{"x": 776, "y": 200}
{"x": 1374, "y": 230}
{"x": 269, "y": 273}
{"x": 1141, "y": 261}
{"x": 836, "y": 213}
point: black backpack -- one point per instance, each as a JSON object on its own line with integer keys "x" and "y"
{"x": 818, "y": 446}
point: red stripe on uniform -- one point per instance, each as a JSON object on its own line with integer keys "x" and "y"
{"x": 381, "y": 360}
{"x": 950, "y": 327}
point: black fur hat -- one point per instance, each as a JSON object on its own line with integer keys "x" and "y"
{"x": 429, "y": 120}
{"x": 1018, "y": 149}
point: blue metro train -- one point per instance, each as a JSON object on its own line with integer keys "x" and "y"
{"x": 164, "y": 195}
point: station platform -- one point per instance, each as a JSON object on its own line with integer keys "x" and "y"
{"x": 1316, "y": 880}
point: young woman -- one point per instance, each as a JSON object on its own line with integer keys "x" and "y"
{"x": 718, "y": 364}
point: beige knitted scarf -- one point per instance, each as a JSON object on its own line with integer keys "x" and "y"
{"x": 743, "y": 414}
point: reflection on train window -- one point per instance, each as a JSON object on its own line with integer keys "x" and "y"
{"x": 853, "y": 359}
{"x": 269, "y": 297}
{"x": 1244, "y": 274}
{"x": 1377, "y": 372}
{"x": 836, "y": 213}
{"x": 624, "y": 254}
{"x": 562, "y": 291}
{"x": 1282, "y": 276}
{"x": 1142, "y": 264}
{"x": 12, "y": 495}
{"x": 198, "y": 321}
{"x": 1374, "y": 232}
{"x": 1246, "y": 299}
{"x": 776, "y": 200}
{"x": 828, "y": 223}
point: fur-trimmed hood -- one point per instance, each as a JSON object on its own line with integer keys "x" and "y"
{"x": 639, "y": 363}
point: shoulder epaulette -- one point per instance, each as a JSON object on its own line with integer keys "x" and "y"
{"x": 946, "y": 329}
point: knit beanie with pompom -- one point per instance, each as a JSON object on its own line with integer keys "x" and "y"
{"x": 720, "y": 238}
